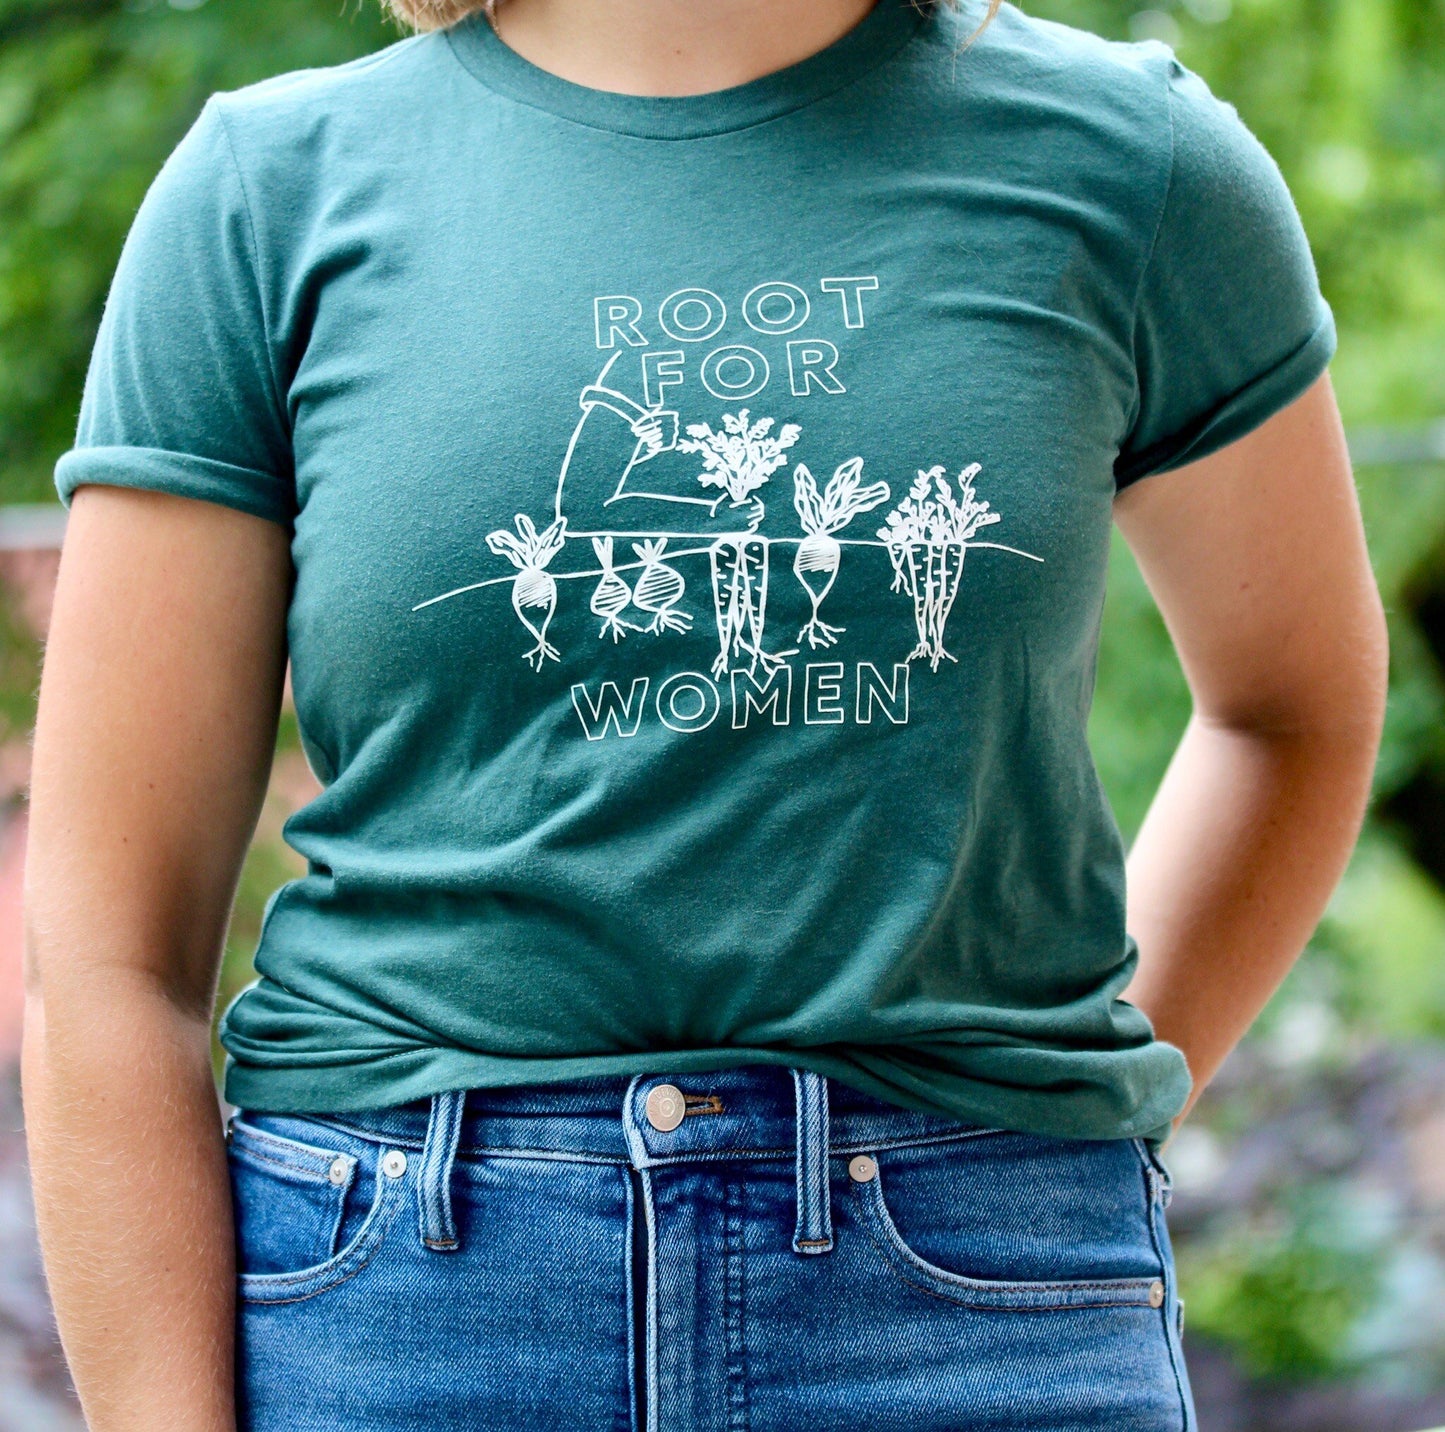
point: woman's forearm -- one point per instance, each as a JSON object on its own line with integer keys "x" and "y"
{"x": 154, "y": 737}
{"x": 133, "y": 1203}
{"x": 1242, "y": 846}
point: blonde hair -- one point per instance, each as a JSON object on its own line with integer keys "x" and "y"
{"x": 438, "y": 14}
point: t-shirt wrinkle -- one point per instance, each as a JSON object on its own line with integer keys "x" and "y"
{"x": 278, "y": 388}
{"x": 1169, "y": 170}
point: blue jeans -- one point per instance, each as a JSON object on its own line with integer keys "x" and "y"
{"x": 752, "y": 1250}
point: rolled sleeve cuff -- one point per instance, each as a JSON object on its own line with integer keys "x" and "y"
{"x": 262, "y": 494}
{"x": 1244, "y": 410}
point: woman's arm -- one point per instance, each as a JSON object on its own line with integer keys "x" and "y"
{"x": 158, "y": 706}
{"x": 1256, "y": 557}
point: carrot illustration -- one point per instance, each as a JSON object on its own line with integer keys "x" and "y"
{"x": 659, "y": 589}
{"x": 739, "y": 460}
{"x": 612, "y": 595}
{"x": 926, "y": 536}
{"x": 818, "y": 557}
{"x": 534, "y": 587}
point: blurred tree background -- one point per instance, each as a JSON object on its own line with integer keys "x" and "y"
{"x": 1311, "y": 1213}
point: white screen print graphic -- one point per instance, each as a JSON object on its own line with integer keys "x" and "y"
{"x": 647, "y": 498}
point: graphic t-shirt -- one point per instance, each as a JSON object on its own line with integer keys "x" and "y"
{"x": 700, "y": 510}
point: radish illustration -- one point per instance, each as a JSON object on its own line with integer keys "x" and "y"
{"x": 659, "y": 589}
{"x": 816, "y": 564}
{"x": 534, "y": 587}
{"x": 612, "y": 595}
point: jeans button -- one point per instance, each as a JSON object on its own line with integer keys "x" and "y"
{"x": 393, "y": 1164}
{"x": 664, "y": 1107}
{"x": 861, "y": 1169}
{"x": 1156, "y": 1295}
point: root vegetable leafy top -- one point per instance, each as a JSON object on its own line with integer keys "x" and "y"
{"x": 819, "y": 555}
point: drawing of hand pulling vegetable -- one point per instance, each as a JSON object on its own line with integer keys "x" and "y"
{"x": 926, "y": 537}
{"x": 655, "y": 431}
{"x": 739, "y": 460}
{"x": 816, "y": 565}
{"x": 534, "y": 587}
{"x": 659, "y": 589}
{"x": 622, "y": 472}
{"x": 612, "y": 595}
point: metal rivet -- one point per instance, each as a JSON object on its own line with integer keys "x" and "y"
{"x": 665, "y": 1107}
{"x": 1156, "y": 1295}
{"x": 861, "y": 1169}
{"x": 393, "y": 1164}
{"x": 340, "y": 1167}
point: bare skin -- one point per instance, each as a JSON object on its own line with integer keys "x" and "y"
{"x": 158, "y": 708}
{"x": 157, "y": 722}
{"x": 671, "y": 47}
{"x": 1256, "y": 558}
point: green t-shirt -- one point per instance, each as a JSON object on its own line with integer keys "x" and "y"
{"x": 700, "y": 510}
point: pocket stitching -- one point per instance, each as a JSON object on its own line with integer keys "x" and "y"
{"x": 994, "y": 1295}
{"x": 244, "y": 1153}
{"x": 335, "y": 1270}
{"x": 245, "y": 1144}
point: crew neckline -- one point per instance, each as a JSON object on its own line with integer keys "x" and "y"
{"x": 876, "y": 38}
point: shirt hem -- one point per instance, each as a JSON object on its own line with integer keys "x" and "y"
{"x": 382, "y": 1080}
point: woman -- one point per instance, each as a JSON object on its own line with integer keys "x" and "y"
{"x": 677, "y": 447}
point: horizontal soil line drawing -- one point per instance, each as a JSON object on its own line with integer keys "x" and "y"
{"x": 695, "y": 552}
{"x": 704, "y": 488}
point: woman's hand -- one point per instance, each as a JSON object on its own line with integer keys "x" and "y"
{"x": 1256, "y": 557}
{"x": 158, "y": 706}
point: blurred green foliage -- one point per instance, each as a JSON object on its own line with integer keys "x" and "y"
{"x": 19, "y": 672}
{"x": 1289, "y": 1298}
{"x": 1349, "y": 96}
{"x": 93, "y": 96}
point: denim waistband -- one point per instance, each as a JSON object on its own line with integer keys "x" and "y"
{"x": 748, "y": 1111}
{"x": 648, "y": 1122}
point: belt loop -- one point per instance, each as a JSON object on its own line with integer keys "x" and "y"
{"x": 434, "y": 1186}
{"x": 814, "y": 1231}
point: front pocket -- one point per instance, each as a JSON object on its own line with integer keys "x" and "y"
{"x": 288, "y": 1198}
{"x": 964, "y": 1279}
{"x": 291, "y": 1202}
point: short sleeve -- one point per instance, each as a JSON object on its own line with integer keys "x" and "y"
{"x": 1231, "y": 325}
{"x": 181, "y": 393}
